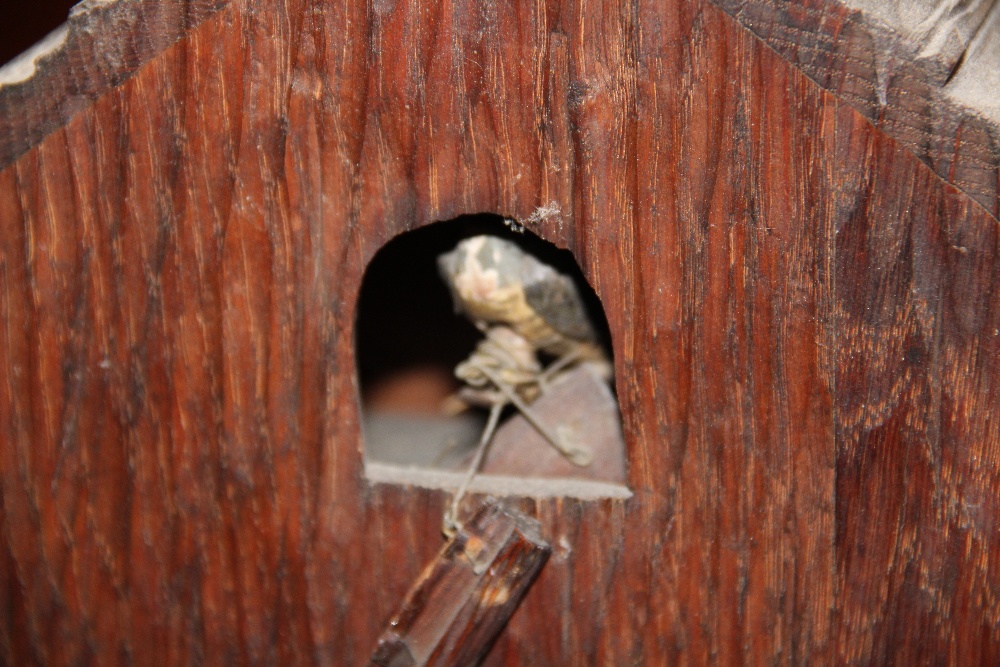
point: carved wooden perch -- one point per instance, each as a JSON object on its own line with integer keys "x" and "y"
{"x": 463, "y": 598}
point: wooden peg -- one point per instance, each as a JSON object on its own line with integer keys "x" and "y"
{"x": 464, "y": 597}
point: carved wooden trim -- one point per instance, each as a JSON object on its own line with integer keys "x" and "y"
{"x": 101, "y": 44}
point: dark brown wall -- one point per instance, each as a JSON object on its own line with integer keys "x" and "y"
{"x": 802, "y": 313}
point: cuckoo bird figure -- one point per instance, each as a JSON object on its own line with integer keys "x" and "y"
{"x": 524, "y": 307}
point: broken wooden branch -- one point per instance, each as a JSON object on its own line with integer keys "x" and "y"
{"x": 463, "y": 599}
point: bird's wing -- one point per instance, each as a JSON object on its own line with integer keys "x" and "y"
{"x": 555, "y": 297}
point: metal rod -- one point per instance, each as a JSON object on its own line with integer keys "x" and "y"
{"x": 450, "y": 524}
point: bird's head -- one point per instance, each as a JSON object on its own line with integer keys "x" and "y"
{"x": 482, "y": 270}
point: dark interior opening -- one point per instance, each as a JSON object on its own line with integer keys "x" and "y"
{"x": 409, "y": 340}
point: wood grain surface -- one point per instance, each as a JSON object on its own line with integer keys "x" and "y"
{"x": 803, "y": 314}
{"x": 464, "y": 597}
{"x": 925, "y": 72}
{"x": 102, "y": 43}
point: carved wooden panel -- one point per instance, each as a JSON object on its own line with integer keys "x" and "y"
{"x": 803, "y": 316}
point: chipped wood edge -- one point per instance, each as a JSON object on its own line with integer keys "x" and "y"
{"x": 958, "y": 42}
{"x": 101, "y": 44}
{"x": 23, "y": 67}
{"x": 497, "y": 485}
{"x": 932, "y": 84}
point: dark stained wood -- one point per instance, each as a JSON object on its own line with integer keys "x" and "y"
{"x": 929, "y": 83}
{"x": 102, "y": 43}
{"x": 465, "y": 596}
{"x": 803, "y": 315}
{"x": 917, "y": 400}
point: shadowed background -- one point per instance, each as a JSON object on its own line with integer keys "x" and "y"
{"x": 24, "y": 23}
